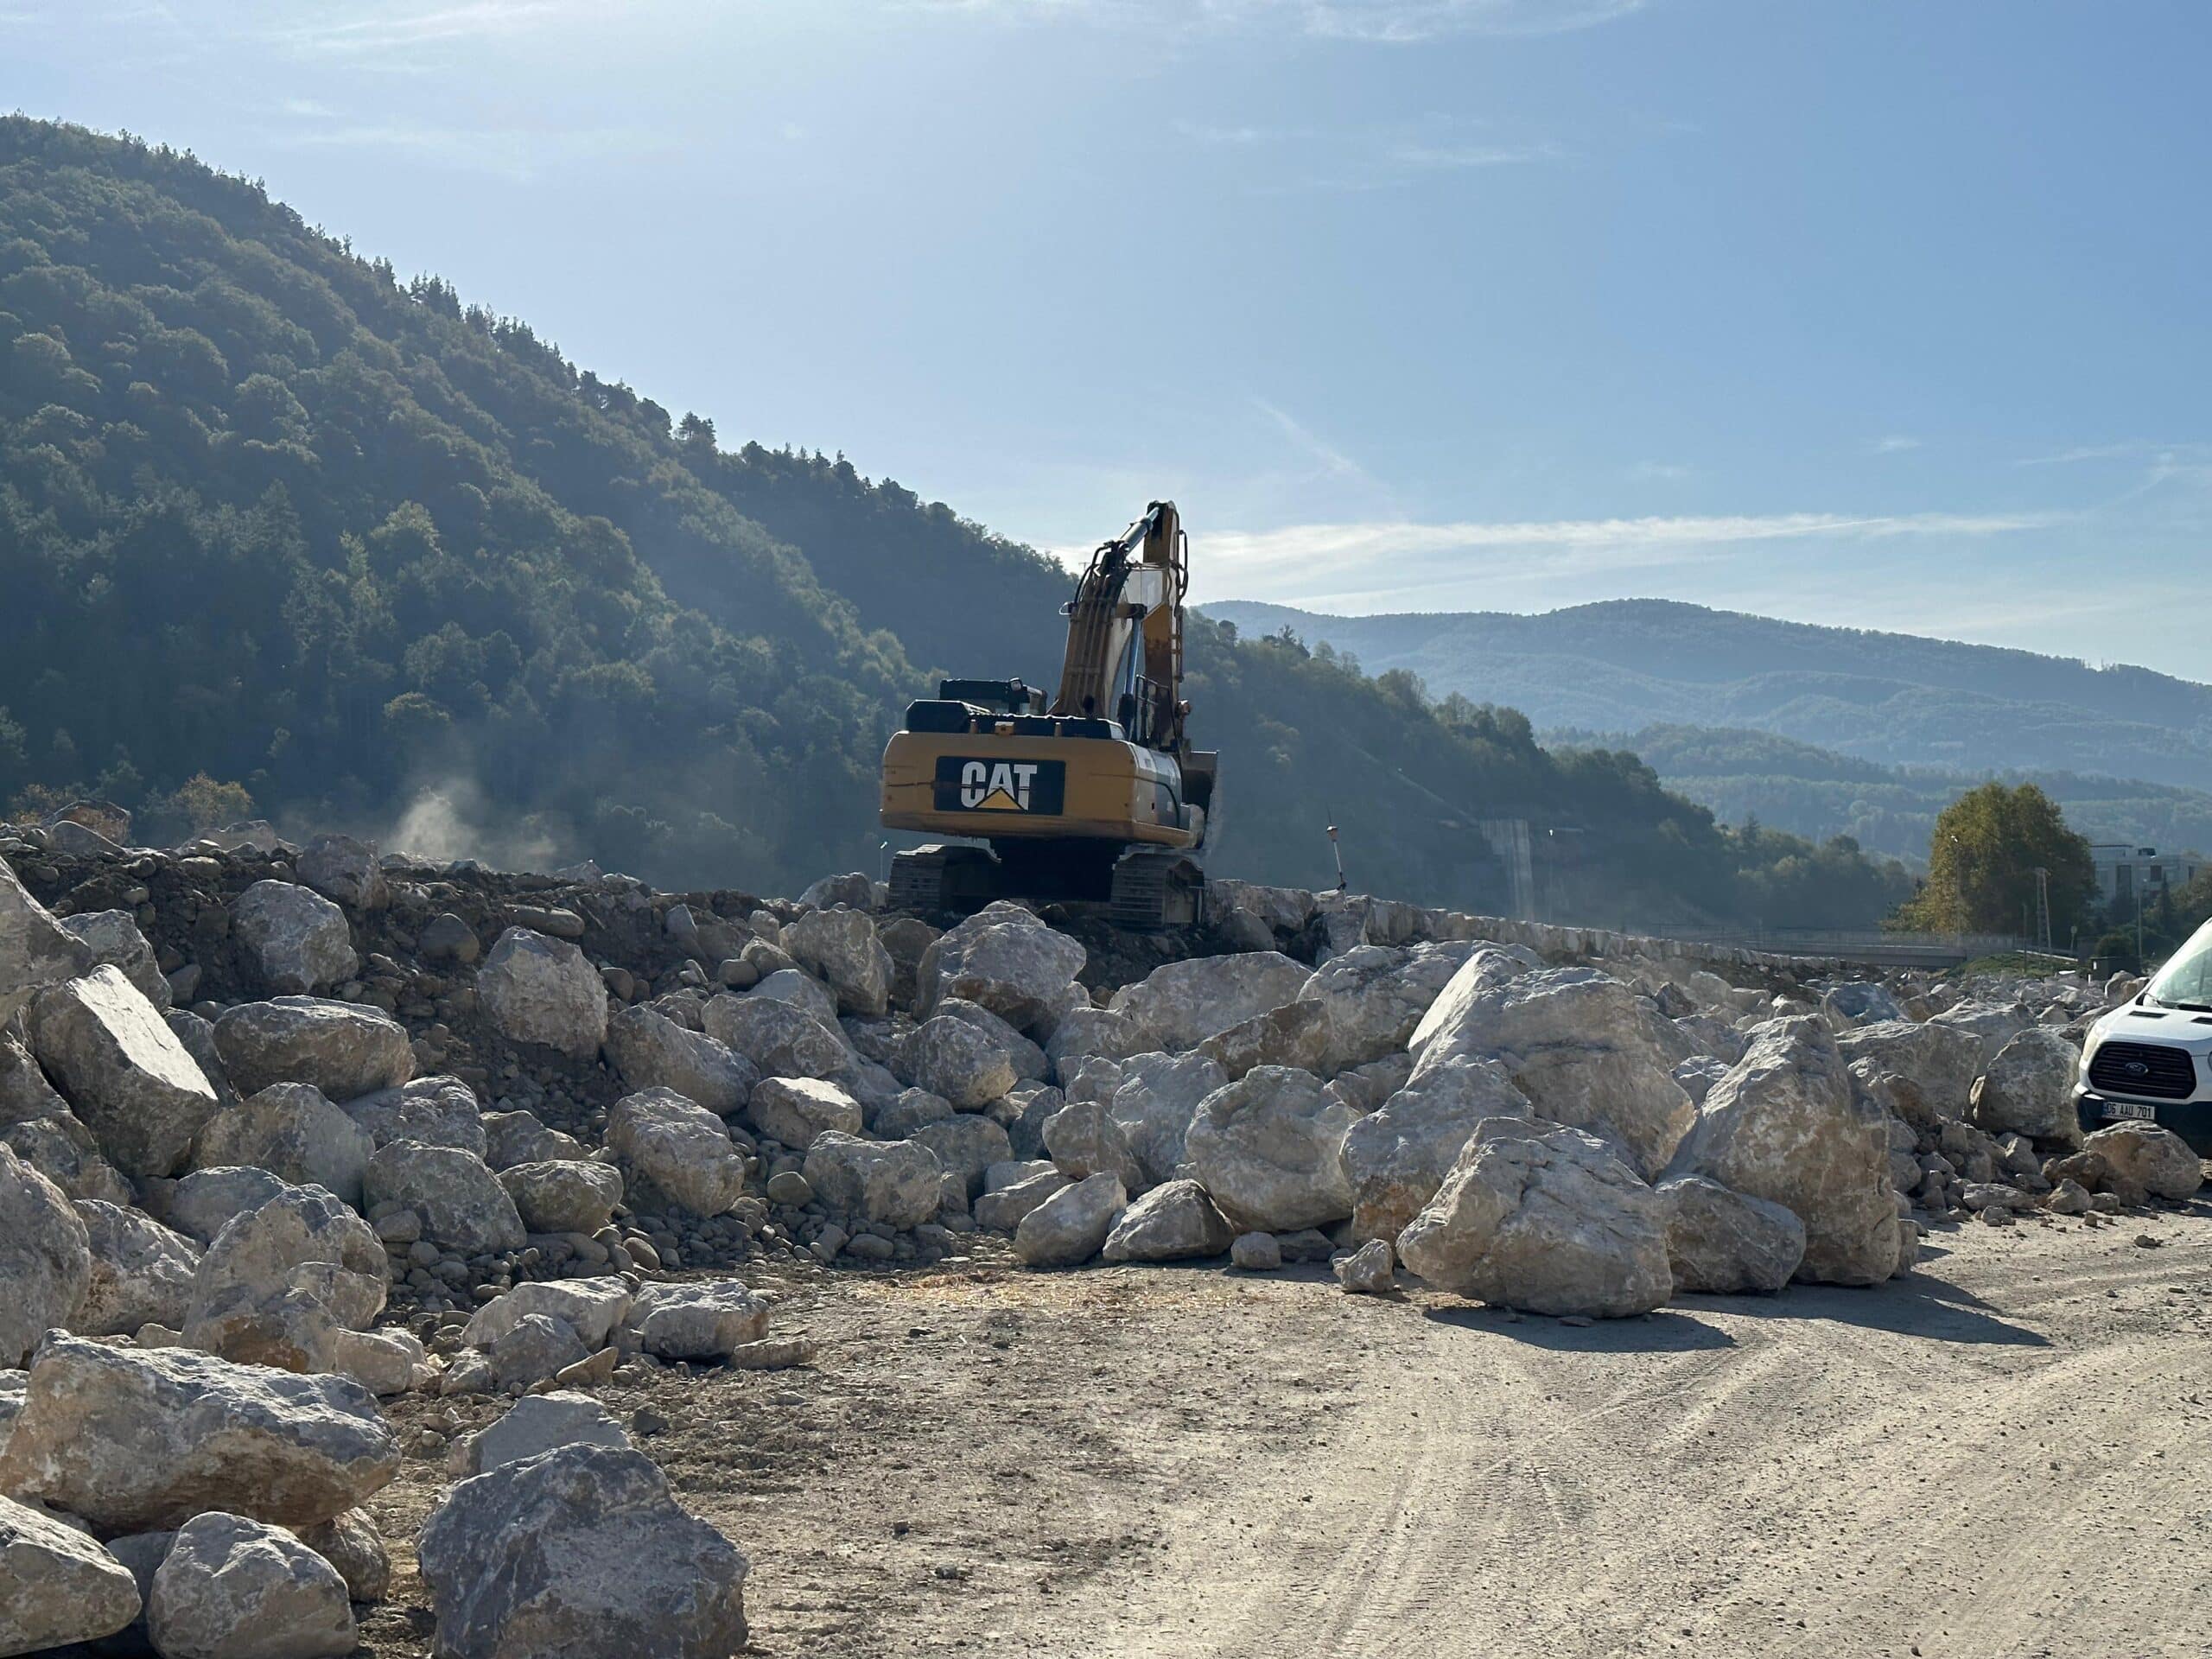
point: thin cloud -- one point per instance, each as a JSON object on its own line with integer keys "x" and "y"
{"x": 1407, "y": 555}
{"x": 1452, "y": 157}
{"x": 1331, "y": 462}
{"x": 1659, "y": 471}
{"x": 373, "y": 29}
{"x": 1895, "y": 443}
{"x": 1409, "y": 21}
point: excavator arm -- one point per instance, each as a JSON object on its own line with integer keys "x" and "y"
{"x": 1124, "y": 659}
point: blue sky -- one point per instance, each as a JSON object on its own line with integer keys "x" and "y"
{"x": 1886, "y": 313}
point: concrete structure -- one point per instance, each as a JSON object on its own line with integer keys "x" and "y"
{"x": 2124, "y": 871}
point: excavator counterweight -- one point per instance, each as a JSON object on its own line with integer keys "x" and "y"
{"x": 1094, "y": 795}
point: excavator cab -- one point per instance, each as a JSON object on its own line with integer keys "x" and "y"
{"x": 1094, "y": 794}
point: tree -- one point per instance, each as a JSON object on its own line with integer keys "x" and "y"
{"x": 1982, "y": 861}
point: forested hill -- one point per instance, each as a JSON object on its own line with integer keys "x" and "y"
{"x": 1897, "y": 698}
{"x": 282, "y": 532}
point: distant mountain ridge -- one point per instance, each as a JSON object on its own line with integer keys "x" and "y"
{"x": 1895, "y": 698}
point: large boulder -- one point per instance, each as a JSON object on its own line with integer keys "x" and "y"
{"x": 594, "y": 1308}
{"x": 35, "y": 950}
{"x": 62, "y": 1150}
{"x": 841, "y": 949}
{"x": 142, "y": 1273}
{"x": 1300, "y": 1034}
{"x": 1183, "y": 1003}
{"x": 1084, "y": 1139}
{"x": 1266, "y": 1148}
{"x": 1030, "y": 1064}
{"x": 2143, "y": 1159}
{"x": 434, "y": 1111}
{"x": 232, "y": 1588}
{"x": 543, "y": 991}
{"x": 777, "y": 1038}
{"x": 350, "y": 1543}
{"x": 563, "y": 1195}
{"x": 1376, "y": 996}
{"x": 512, "y": 1138}
{"x": 1085, "y": 1033}
{"x": 1072, "y": 1225}
{"x": 278, "y": 1284}
{"x": 344, "y": 870}
{"x": 534, "y": 1425}
{"x": 25, "y": 1094}
{"x": 200, "y": 1203}
{"x": 57, "y": 1587}
{"x": 1582, "y": 1047}
{"x": 1002, "y": 1208}
{"x": 1933, "y": 1065}
{"x": 1545, "y": 1218}
{"x": 298, "y": 940}
{"x": 680, "y": 1146}
{"x": 134, "y": 1439}
{"x": 966, "y": 1144}
{"x": 1787, "y": 1125}
{"x": 1175, "y": 1222}
{"x": 123, "y": 1070}
{"x": 343, "y": 1049}
{"x": 698, "y": 1321}
{"x": 1992, "y": 1025}
{"x": 2028, "y": 1089}
{"x": 1721, "y": 1241}
{"x": 1397, "y": 1158}
{"x": 652, "y": 1051}
{"x": 113, "y": 937}
{"x": 952, "y": 1058}
{"x": 581, "y": 1551}
{"x": 46, "y": 1263}
{"x": 1005, "y": 959}
{"x": 793, "y": 1111}
{"x": 898, "y": 1183}
{"x": 1859, "y": 1002}
{"x": 801, "y": 989}
{"x": 1158, "y": 1098}
{"x": 462, "y": 1206}
{"x": 291, "y": 1130}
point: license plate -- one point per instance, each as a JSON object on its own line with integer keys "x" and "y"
{"x": 2128, "y": 1109}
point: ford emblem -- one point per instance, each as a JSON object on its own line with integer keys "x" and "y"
{"x": 2137, "y": 1069}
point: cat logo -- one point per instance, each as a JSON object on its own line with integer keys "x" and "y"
{"x": 1002, "y": 788}
{"x": 965, "y": 784}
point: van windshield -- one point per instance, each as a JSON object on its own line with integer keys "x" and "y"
{"x": 2186, "y": 981}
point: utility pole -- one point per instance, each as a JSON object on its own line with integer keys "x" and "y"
{"x": 1336, "y": 848}
{"x": 2043, "y": 906}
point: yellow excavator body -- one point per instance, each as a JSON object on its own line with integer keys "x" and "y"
{"x": 1094, "y": 794}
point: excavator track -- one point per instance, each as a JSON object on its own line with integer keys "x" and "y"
{"x": 939, "y": 879}
{"x": 1153, "y": 891}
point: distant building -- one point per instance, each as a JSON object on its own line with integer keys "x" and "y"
{"x": 2125, "y": 871}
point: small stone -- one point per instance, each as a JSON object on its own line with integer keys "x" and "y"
{"x": 1256, "y": 1253}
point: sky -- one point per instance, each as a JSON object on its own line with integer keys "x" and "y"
{"x": 1887, "y": 314}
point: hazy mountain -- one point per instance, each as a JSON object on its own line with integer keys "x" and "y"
{"x": 1892, "y": 810}
{"x": 1626, "y": 664}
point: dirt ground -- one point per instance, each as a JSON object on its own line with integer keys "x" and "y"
{"x": 2009, "y": 1452}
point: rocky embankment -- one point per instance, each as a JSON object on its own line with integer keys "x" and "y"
{"x": 285, "y": 1130}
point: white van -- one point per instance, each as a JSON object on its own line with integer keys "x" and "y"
{"x": 2152, "y": 1057}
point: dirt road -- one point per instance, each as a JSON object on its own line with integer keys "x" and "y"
{"x": 2008, "y": 1453}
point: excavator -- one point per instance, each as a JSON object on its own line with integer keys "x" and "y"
{"x": 1095, "y": 796}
